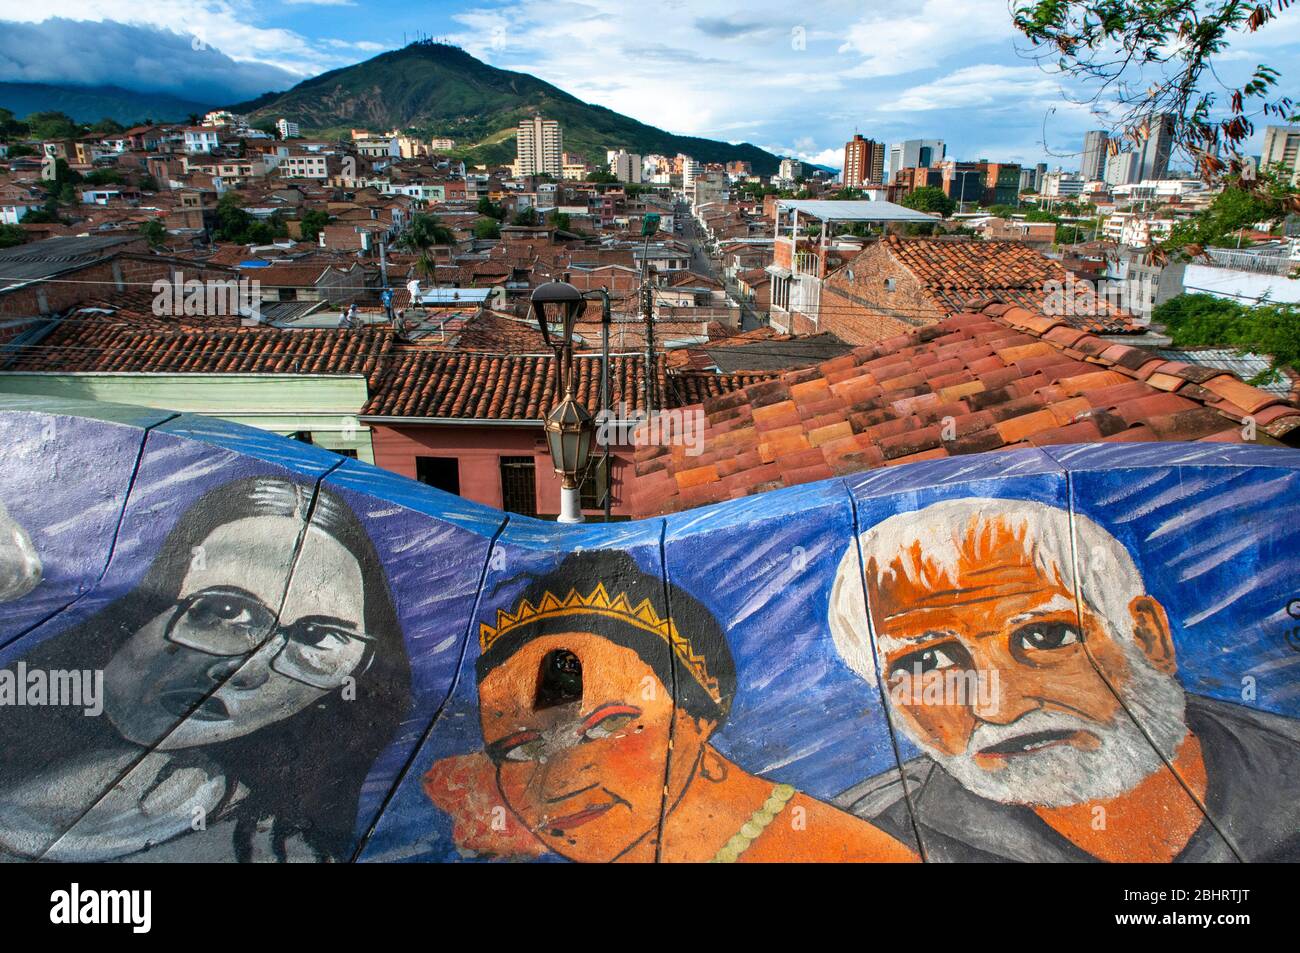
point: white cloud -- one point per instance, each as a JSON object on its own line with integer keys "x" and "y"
{"x": 984, "y": 86}
{"x": 137, "y": 58}
{"x": 215, "y": 23}
{"x": 899, "y": 40}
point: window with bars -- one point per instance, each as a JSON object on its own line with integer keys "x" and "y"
{"x": 519, "y": 485}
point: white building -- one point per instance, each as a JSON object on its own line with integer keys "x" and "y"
{"x": 202, "y": 139}
{"x": 915, "y": 153}
{"x": 690, "y": 169}
{"x": 1058, "y": 184}
{"x": 1122, "y": 168}
{"x": 1135, "y": 230}
{"x": 1282, "y": 148}
{"x": 540, "y": 147}
{"x": 626, "y": 166}
{"x": 288, "y": 130}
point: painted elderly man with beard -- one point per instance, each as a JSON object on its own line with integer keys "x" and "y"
{"x": 1068, "y": 735}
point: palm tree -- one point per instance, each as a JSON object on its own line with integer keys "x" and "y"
{"x": 424, "y": 233}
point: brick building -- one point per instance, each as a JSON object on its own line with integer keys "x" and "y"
{"x": 897, "y": 285}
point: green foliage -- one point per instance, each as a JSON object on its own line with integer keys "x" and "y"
{"x": 10, "y": 127}
{"x": 559, "y": 219}
{"x": 154, "y": 232}
{"x": 1071, "y": 235}
{"x": 1234, "y": 208}
{"x": 104, "y": 177}
{"x": 1202, "y": 320}
{"x": 921, "y": 228}
{"x": 1152, "y": 57}
{"x": 491, "y": 209}
{"x": 602, "y": 176}
{"x": 232, "y": 222}
{"x": 527, "y": 216}
{"x": 50, "y": 125}
{"x": 487, "y": 228}
{"x": 313, "y": 222}
{"x": 107, "y": 127}
{"x": 424, "y": 232}
{"x": 46, "y": 215}
{"x": 18, "y": 150}
{"x": 11, "y": 235}
{"x": 929, "y": 199}
{"x": 148, "y": 184}
{"x": 236, "y": 225}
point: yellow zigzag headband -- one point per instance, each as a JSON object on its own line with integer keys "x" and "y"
{"x": 643, "y": 617}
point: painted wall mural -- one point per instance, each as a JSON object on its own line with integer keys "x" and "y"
{"x": 219, "y": 645}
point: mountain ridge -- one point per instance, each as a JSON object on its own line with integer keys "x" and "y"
{"x": 93, "y": 103}
{"x": 440, "y": 90}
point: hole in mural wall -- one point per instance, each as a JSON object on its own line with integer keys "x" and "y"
{"x": 561, "y": 680}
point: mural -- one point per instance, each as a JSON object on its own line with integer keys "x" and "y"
{"x": 250, "y": 651}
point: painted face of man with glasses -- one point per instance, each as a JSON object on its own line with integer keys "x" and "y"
{"x": 223, "y": 631}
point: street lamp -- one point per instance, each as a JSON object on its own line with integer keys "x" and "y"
{"x": 569, "y": 427}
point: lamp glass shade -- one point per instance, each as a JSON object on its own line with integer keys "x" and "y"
{"x": 556, "y": 303}
{"x": 569, "y": 432}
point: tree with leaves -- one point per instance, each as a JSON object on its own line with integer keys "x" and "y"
{"x": 1235, "y": 208}
{"x": 1144, "y": 58}
{"x": 154, "y": 232}
{"x": 11, "y": 235}
{"x": 424, "y": 234}
{"x": 928, "y": 198}
{"x": 50, "y": 125}
{"x": 313, "y": 223}
{"x": 1202, "y": 320}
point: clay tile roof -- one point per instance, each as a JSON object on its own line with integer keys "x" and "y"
{"x": 975, "y": 382}
{"x": 428, "y": 383}
{"x": 967, "y": 275}
{"x": 112, "y": 346}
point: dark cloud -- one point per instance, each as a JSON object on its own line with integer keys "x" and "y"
{"x": 143, "y": 59}
{"x": 669, "y": 54}
{"x": 725, "y": 28}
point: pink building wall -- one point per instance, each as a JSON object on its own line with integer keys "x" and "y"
{"x": 479, "y": 450}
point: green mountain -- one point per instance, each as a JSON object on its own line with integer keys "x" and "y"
{"x": 434, "y": 89}
{"x": 93, "y": 103}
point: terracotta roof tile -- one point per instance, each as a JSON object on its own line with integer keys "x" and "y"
{"x": 889, "y": 406}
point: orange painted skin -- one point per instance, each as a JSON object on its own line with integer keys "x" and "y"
{"x": 588, "y": 778}
{"x": 1001, "y": 613}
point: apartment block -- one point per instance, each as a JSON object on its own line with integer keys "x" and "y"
{"x": 540, "y": 147}
{"x": 864, "y": 161}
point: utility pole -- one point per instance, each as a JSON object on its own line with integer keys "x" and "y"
{"x": 647, "y": 313}
{"x": 605, "y": 319}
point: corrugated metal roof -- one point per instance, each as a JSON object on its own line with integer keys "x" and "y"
{"x": 44, "y": 259}
{"x": 855, "y": 211}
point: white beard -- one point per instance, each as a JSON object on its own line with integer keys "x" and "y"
{"x": 1063, "y": 774}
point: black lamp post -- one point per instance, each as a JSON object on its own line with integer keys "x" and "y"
{"x": 569, "y": 427}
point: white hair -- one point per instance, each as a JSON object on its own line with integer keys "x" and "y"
{"x": 944, "y": 532}
{"x": 927, "y": 548}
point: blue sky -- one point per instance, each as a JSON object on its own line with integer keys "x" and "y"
{"x": 794, "y": 78}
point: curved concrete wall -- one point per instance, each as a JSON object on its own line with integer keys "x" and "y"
{"x": 217, "y": 644}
